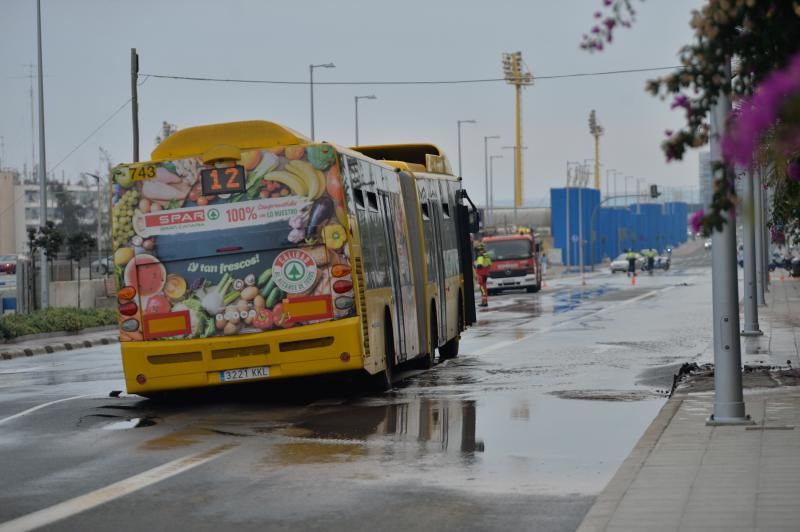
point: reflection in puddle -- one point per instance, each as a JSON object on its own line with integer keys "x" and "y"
{"x": 446, "y": 425}
{"x": 569, "y": 300}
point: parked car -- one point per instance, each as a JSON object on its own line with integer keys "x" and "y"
{"x": 8, "y": 264}
{"x": 103, "y": 265}
{"x": 620, "y": 264}
{"x": 707, "y": 244}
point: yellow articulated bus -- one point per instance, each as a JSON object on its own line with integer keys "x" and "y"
{"x": 244, "y": 251}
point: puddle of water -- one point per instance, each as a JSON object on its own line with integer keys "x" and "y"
{"x": 133, "y": 423}
{"x": 566, "y": 301}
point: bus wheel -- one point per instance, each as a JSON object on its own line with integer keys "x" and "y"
{"x": 382, "y": 381}
{"x": 450, "y": 349}
{"x": 426, "y": 361}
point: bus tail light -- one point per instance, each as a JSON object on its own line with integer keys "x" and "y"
{"x": 126, "y": 294}
{"x": 344, "y": 357}
{"x": 341, "y": 286}
{"x": 128, "y": 309}
{"x": 141, "y": 379}
{"x": 340, "y": 270}
{"x": 344, "y": 302}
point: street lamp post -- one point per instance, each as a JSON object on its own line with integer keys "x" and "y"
{"x": 568, "y": 237}
{"x": 99, "y": 232}
{"x": 491, "y": 183}
{"x": 626, "y": 183}
{"x": 44, "y": 278}
{"x": 459, "y": 141}
{"x": 370, "y": 97}
{"x": 638, "y": 197}
{"x": 311, "y": 89}
{"x": 486, "y": 167}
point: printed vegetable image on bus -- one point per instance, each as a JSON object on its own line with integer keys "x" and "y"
{"x": 239, "y": 250}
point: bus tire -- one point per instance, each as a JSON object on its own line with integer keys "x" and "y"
{"x": 382, "y": 381}
{"x": 427, "y": 361}
{"x": 450, "y": 349}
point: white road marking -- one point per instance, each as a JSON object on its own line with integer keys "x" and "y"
{"x": 113, "y": 491}
{"x": 502, "y": 345}
{"x": 45, "y": 405}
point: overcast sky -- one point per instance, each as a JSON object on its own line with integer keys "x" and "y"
{"x": 87, "y": 63}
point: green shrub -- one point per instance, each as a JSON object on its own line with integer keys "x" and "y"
{"x": 54, "y": 320}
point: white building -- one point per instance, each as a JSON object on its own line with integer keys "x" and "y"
{"x": 19, "y": 209}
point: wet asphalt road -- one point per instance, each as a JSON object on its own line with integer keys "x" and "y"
{"x": 520, "y": 432}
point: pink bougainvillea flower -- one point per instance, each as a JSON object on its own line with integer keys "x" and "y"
{"x": 760, "y": 112}
{"x": 680, "y": 101}
{"x": 696, "y": 221}
{"x": 794, "y": 171}
{"x": 778, "y": 237}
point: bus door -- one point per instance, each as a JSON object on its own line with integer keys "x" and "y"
{"x": 409, "y": 193}
{"x": 467, "y": 222}
{"x": 394, "y": 274}
{"x": 438, "y": 249}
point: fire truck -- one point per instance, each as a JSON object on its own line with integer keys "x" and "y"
{"x": 515, "y": 262}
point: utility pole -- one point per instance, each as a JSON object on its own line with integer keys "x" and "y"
{"x": 518, "y": 74}
{"x": 728, "y": 395}
{"x": 135, "y": 102}
{"x": 596, "y": 131}
{"x": 44, "y": 279}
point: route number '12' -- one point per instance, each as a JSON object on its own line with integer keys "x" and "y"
{"x": 223, "y": 180}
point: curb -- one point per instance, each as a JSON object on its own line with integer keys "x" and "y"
{"x": 56, "y": 347}
{"x": 59, "y": 334}
{"x": 599, "y": 515}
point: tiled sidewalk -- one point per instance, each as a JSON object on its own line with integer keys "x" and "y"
{"x": 686, "y": 476}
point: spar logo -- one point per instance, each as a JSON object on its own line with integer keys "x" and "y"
{"x": 176, "y": 218}
{"x": 294, "y": 271}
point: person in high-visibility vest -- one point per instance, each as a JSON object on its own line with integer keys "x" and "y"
{"x": 651, "y": 254}
{"x": 482, "y": 264}
{"x": 631, "y": 256}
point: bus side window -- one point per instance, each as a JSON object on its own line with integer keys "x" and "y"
{"x": 426, "y": 215}
{"x": 372, "y": 201}
{"x": 358, "y": 195}
{"x": 446, "y": 210}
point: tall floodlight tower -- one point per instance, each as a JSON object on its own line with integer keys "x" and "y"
{"x": 517, "y": 73}
{"x": 596, "y": 131}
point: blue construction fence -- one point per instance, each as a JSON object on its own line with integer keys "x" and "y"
{"x": 608, "y": 231}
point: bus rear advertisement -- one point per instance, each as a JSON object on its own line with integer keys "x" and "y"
{"x": 235, "y": 251}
